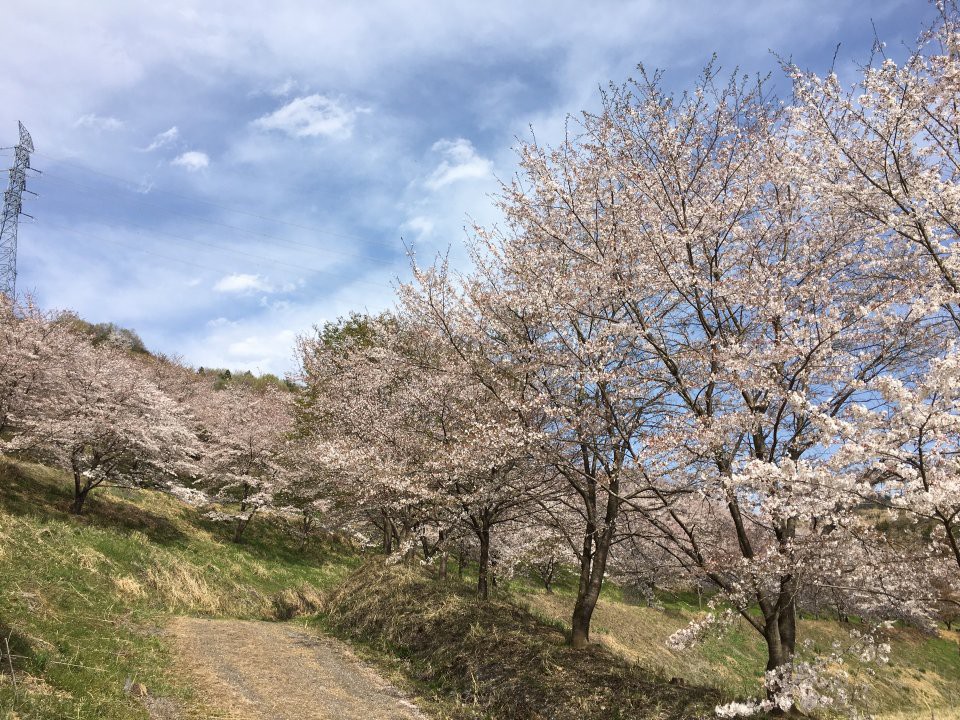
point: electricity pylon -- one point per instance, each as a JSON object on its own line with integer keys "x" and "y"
{"x": 12, "y": 207}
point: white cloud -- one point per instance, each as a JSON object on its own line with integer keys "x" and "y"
{"x": 311, "y": 116}
{"x": 164, "y": 138}
{"x": 285, "y": 88}
{"x": 192, "y": 160}
{"x": 261, "y": 348}
{"x": 97, "y": 122}
{"x": 242, "y": 283}
{"x": 420, "y": 224}
{"x": 460, "y": 162}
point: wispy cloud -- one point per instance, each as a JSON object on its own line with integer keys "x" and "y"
{"x": 192, "y": 160}
{"x": 98, "y": 122}
{"x": 311, "y": 116}
{"x": 421, "y": 225}
{"x": 164, "y": 138}
{"x": 242, "y": 283}
{"x": 284, "y": 88}
{"x": 460, "y": 162}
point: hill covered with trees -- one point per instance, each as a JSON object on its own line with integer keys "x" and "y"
{"x": 711, "y": 351}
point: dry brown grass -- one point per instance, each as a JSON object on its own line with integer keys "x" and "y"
{"x": 293, "y": 602}
{"x": 495, "y": 659}
{"x": 182, "y": 588}
{"x": 129, "y": 588}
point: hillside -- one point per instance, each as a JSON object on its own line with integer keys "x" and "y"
{"x": 85, "y": 599}
{"x": 86, "y": 602}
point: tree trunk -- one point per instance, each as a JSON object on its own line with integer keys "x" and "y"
{"x": 81, "y": 485}
{"x": 776, "y": 652}
{"x": 240, "y": 527}
{"x": 593, "y": 554}
{"x": 442, "y": 565}
{"x": 583, "y": 610}
{"x": 483, "y": 535}
{"x": 593, "y": 565}
{"x": 79, "y": 497}
{"x": 779, "y": 633}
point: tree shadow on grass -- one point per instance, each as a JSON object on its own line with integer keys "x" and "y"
{"x": 23, "y": 655}
{"x": 43, "y": 493}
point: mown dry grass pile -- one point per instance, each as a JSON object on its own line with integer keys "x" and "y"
{"x": 85, "y": 600}
{"x": 495, "y": 659}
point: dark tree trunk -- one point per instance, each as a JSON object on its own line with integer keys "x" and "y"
{"x": 547, "y": 576}
{"x": 594, "y": 553}
{"x": 79, "y": 497}
{"x": 240, "y": 527}
{"x": 777, "y": 654}
{"x": 81, "y": 485}
{"x": 483, "y": 535}
{"x": 241, "y": 522}
{"x": 593, "y": 565}
{"x": 779, "y": 634}
{"x": 387, "y": 535}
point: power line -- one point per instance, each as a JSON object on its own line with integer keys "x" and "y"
{"x": 227, "y": 208}
{"x": 236, "y": 228}
{"x": 99, "y": 238}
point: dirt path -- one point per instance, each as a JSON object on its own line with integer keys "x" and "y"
{"x": 275, "y": 671}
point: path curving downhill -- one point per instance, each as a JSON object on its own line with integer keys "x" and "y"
{"x": 252, "y": 670}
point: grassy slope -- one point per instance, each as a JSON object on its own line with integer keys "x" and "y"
{"x": 484, "y": 660}
{"x": 86, "y": 598}
{"x": 922, "y": 679}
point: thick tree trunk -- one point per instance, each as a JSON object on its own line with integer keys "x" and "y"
{"x": 81, "y": 486}
{"x": 777, "y": 654}
{"x": 483, "y": 535}
{"x": 79, "y": 497}
{"x": 241, "y": 521}
{"x": 597, "y": 540}
{"x": 593, "y": 565}
{"x": 387, "y": 535}
{"x": 787, "y": 627}
{"x": 779, "y": 634}
{"x": 442, "y": 565}
{"x": 240, "y": 527}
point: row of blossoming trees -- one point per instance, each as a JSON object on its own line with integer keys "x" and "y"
{"x": 713, "y": 344}
{"x": 114, "y": 416}
{"x": 713, "y": 341}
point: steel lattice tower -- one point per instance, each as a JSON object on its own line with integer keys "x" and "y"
{"x": 12, "y": 206}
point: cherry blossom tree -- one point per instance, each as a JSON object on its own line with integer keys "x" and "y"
{"x": 92, "y": 412}
{"x": 439, "y": 459}
{"x": 243, "y": 431}
{"x": 885, "y": 150}
{"x": 26, "y": 340}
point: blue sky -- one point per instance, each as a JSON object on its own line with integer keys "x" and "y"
{"x": 223, "y": 175}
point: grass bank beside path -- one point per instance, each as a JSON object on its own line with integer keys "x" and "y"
{"x": 86, "y": 603}
{"x": 85, "y": 600}
{"x": 921, "y": 681}
{"x": 494, "y": 659}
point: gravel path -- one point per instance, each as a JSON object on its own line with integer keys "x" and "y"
{"x": 274, "y": 671}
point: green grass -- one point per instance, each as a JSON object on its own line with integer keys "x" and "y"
{"x": 84, "y": 599}
{"x": 494, "y": 660}
{"x": 922, "y": 679}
